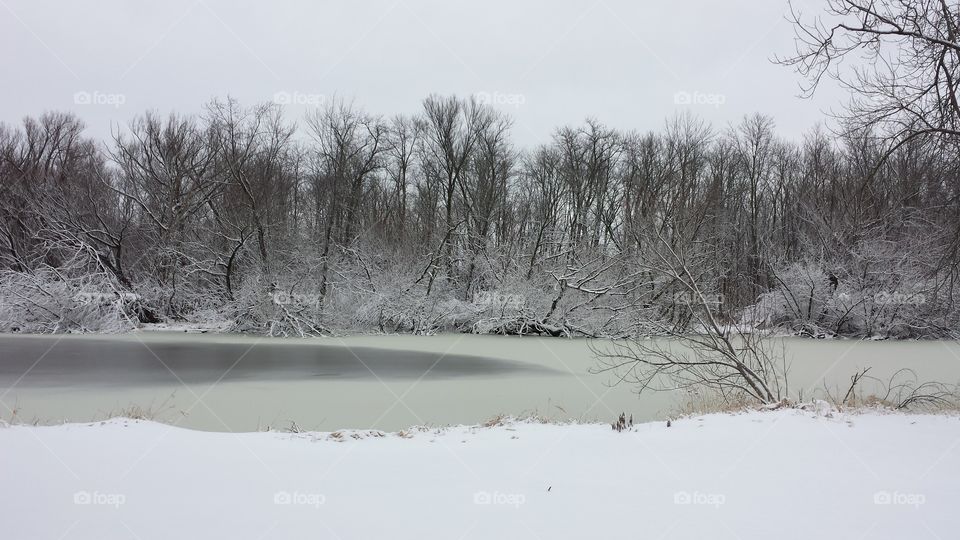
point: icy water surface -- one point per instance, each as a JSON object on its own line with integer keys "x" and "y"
{"x": 242, "y": 383}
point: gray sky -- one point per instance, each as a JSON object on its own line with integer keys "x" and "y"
{"x": 629, "y": 63}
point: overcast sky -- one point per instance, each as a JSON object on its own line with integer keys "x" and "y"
{"x": 628, "y": 63}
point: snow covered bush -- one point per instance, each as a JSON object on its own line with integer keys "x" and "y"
{"x": 800, "y": 302}
{"x": 880, "y": 289}
{"x": 47, "y": 301}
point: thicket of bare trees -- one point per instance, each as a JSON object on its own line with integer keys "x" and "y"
{"x": 352, "y": 221}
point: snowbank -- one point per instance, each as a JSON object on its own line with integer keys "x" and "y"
{"x": 782, "y": 474}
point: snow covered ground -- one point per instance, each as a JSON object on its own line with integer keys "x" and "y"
{"x": 782, "y": 474}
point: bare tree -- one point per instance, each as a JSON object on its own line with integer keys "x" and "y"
{"x": 452, "y": 129}
{"x": 438, "y": 222}
{"x": 730, "y": 360}
{"x": 405, "y": 135}
{"x": 899, "y": 58}
{"x": 251, "y": 153}
{"x": 167, "y": 173}
{"x": 350, "y": 147}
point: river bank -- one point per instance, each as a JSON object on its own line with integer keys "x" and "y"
{"x": 784, "y": 474}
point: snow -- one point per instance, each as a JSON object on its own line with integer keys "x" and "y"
{"x": 778, "y": 474}
{"x": 185, "y": 327}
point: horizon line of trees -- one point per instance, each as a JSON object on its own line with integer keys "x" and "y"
{"x": 438, "y": 221}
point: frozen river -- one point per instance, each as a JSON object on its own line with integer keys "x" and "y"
{"x": 244, "y": 383}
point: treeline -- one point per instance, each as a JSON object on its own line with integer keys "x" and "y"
{"x": 348, "y": 221}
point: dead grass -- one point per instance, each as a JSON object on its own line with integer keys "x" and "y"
{"x": 697, "y": 403}
{"x": 153, "y": 412}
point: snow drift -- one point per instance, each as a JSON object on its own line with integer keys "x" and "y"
{"x": 783, "y": 474}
